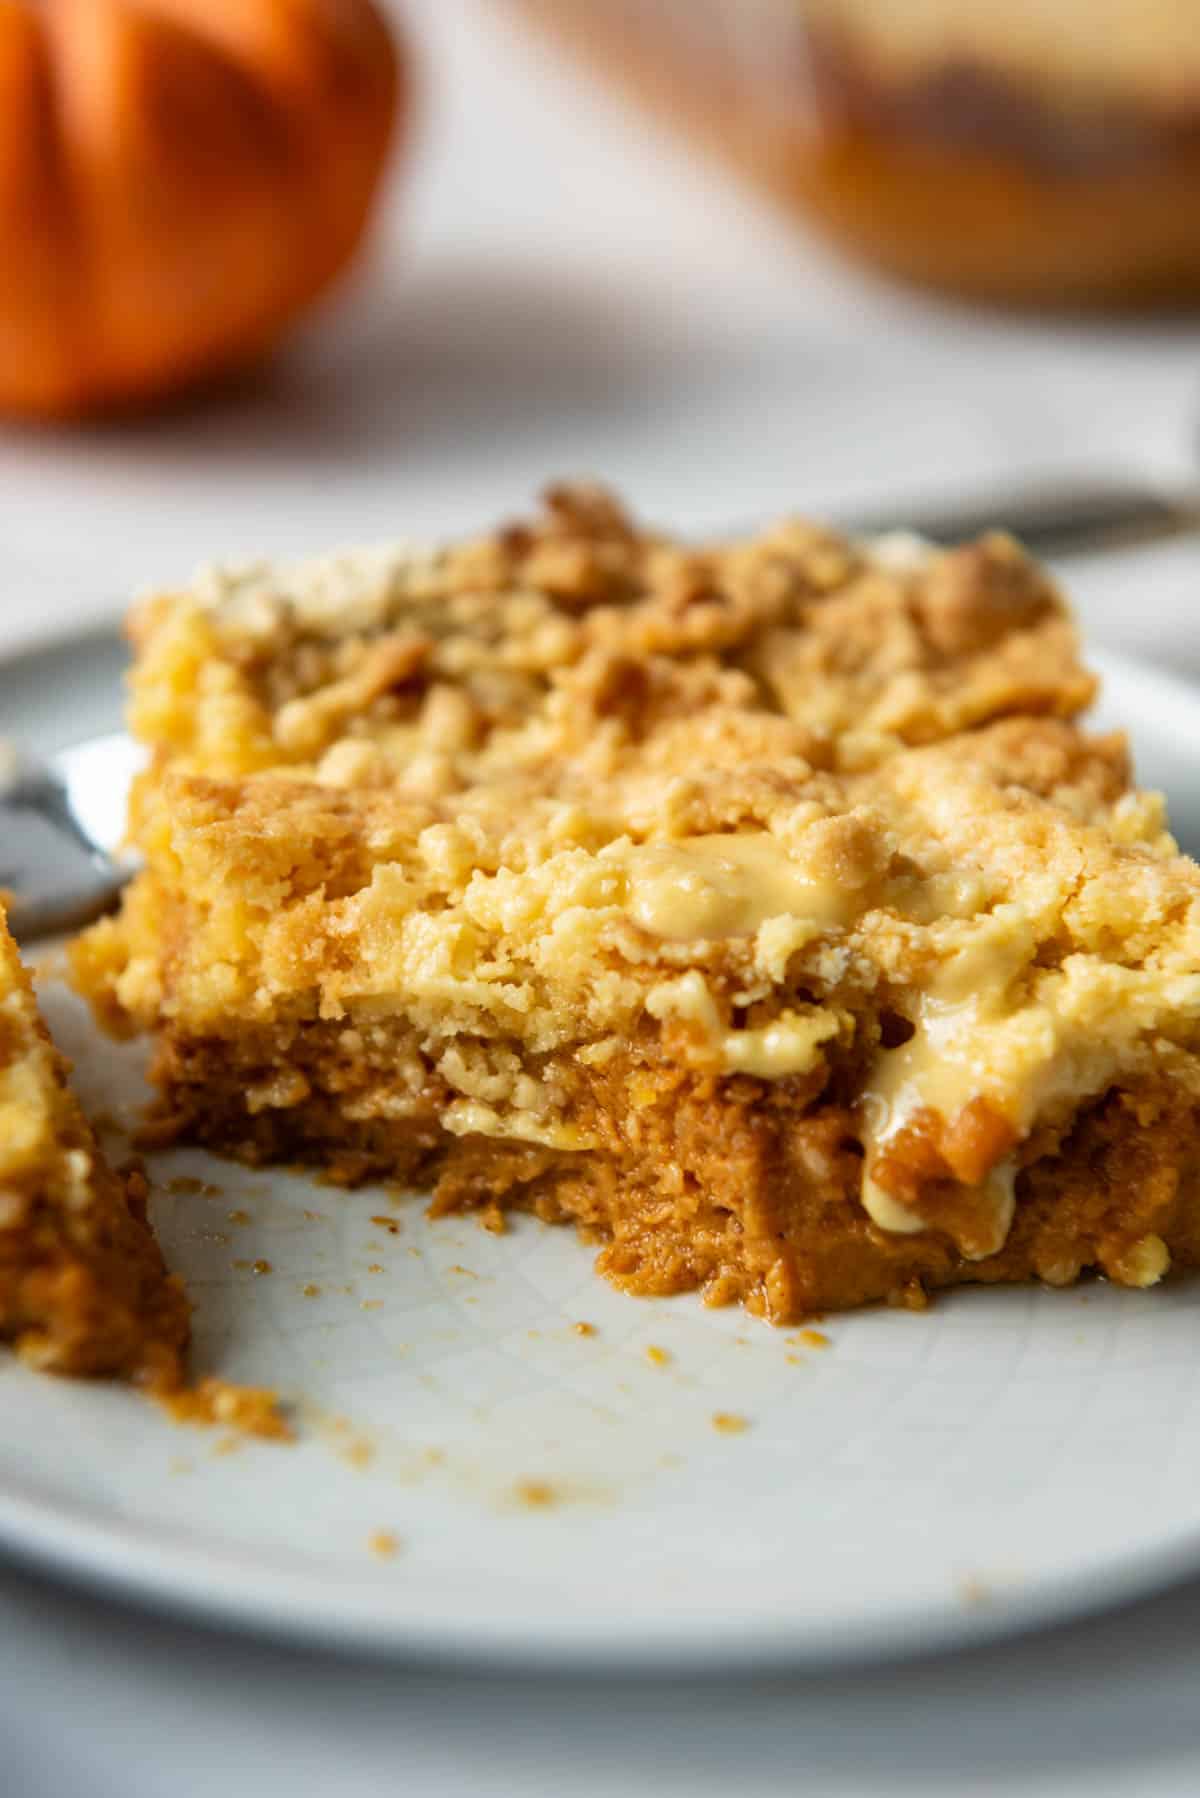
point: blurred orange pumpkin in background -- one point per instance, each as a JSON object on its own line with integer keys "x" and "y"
{"x": 179, "y": 179}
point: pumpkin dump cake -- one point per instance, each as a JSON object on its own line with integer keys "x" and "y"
{"x": 760, "y": 908}
{"x": 83, "y": 1289}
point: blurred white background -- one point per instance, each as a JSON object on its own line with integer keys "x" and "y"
{"x": 559, "y": 289}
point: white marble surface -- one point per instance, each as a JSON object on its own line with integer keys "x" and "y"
{"x": 559, "y": 290}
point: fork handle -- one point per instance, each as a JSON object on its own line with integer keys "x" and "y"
{"x": 1058, "y": 518}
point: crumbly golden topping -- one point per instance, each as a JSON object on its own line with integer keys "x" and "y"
{"x": 565, "y": 637}
{"x": 575, "y": 795}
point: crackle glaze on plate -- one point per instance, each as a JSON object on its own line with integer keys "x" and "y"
{"x": 477, "y": 1478}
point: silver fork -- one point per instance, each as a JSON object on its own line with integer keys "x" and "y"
{"x": 62, "y": 821}
{"x": 1060, "y": 516}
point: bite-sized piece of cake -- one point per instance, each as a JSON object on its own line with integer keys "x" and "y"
{"x": 83, "y": 1288}
{"x": 759, "y": 909}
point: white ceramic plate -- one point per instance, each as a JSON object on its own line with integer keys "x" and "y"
{"x": 1004, "y": 1459}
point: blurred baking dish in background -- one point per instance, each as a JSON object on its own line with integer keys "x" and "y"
{"x": 1036, "y": 151}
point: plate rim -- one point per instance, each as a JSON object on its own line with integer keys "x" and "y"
{"x": 181, "y": 1579}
